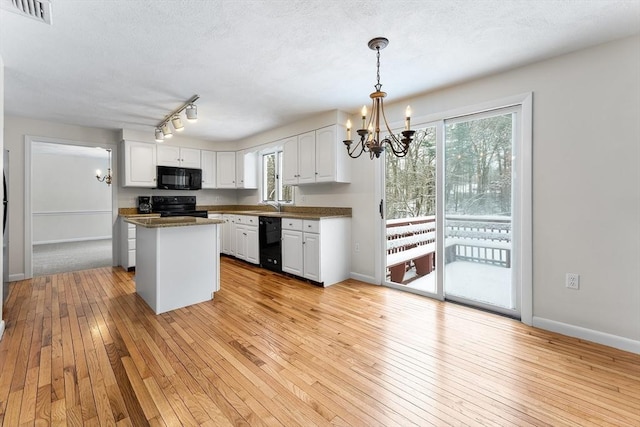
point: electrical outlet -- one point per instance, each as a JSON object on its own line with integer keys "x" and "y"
{"x": 357, "y": 248}
{"x": 572, "y": 281}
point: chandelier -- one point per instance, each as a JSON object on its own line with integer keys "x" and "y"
{"x": 107, "y": 177}
{"x": 370, "y": 133}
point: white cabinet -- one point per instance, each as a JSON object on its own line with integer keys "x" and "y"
{"x": 208, "y": 162}
{"x": 317, "y": 250}
{"x": 247, "y": 239}
{"x": 127, "y": 245}
{"x": 290, "y": 161}
{"x": 316, "y": 156}
{"x": 139, "y": 160}
{"x": 226, "y": 169}
{"x": 168, "y": 155}
{"x": 246, "y": 169}
{"x": 228, "y": 238}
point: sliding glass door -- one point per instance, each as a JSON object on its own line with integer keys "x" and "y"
{"x": 452, "y": 226}
{"x": 478, "y": 198}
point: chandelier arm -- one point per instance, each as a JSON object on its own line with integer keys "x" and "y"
{"x": 397, "y": 147}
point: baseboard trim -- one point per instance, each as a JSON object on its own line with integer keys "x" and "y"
{"x": 79, "y": 239}
{"x": 16, "y": 277}
{"x": 1, "y": 329}
{"x": 364, "y": 278}
{"x": 615, "y": 341}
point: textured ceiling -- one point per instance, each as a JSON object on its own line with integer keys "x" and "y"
{"x": 260, "y": 64}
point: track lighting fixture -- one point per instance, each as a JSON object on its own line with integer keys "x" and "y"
{"x": 166, "y": 131}
{"x": 191, "y": 110}
{"x": 159, "y": 135}
{"x": 177, "y": 123}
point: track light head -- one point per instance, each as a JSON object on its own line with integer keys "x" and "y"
{"x": 166, "y": 131}
{"x": 159, "y": 135}
{"x": 191, "y": 112}
{"x": 177, "y": 123}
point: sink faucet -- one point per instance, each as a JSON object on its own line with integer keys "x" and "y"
{"x": 275, "y": 205}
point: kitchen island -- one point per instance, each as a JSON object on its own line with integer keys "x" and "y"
{"x": 177, "y": 260}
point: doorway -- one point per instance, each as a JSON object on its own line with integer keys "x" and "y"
{"x": 457, "y": 220}
{"x": 71, "y": 212}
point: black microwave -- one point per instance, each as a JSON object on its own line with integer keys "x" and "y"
{"x": 174, "y": 178}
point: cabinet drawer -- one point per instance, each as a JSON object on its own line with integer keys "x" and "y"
{"x": 311, "y": 226}
{"x": 292, "y": 224}
{"x": 247, "y": 220}
{"x": 132, "y": 244}
{"x": 132, "y": 258}
{"x": 131, "y": 231}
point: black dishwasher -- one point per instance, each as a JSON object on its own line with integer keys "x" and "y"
{"x": 270, "y": 243}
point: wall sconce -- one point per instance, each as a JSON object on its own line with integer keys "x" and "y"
{"x": 107, "y": 177}
{"x": 191, "y": 110}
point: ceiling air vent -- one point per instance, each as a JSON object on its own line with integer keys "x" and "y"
{"x": 39, "y": 10}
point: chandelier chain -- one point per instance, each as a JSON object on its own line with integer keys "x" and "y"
{"x": 378, "y": 85}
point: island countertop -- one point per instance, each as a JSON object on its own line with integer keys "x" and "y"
{"x": 173, "y": 221}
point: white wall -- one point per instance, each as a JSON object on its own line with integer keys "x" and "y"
{"x": 68, "y": 203}
{"x": 16, "y": 129}
{"x": 586, "y": 175}
{"x": 586, "y": 185}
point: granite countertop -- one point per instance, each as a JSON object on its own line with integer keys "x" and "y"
{"x": 301, "y": 212}
{"x": 173, "y": 221}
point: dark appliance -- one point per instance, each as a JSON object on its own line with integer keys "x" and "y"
{"x": 176, "y": 206}
{"x": 5, "y": 232}
{"x": 144, "y": 204}
{"x": 173, "y": 178}
{"x": 270, "y": 243}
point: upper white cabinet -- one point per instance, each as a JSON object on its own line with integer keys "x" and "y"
{"x": 246, "y": 169}
{"x": 316, "y": 156}
{"x": 208, "y": 162}
{"x": 139, "y": 164}
{"x": 226, "y": 169}
{"x": 169, "y": 155}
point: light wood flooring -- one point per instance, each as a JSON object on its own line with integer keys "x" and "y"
{"x": 83, "y": 349}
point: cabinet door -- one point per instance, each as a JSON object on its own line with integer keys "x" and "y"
{"x": 241, "y": 242}
{"x": 311, "y": 260}
{"x": 190, "y": 158}
{"x": 246, "y": 170}
{"x": 168, "y": 155}
{"x": 253, "y": 245}
{"x": 292, "y": 252}
{"x": 326, "y": 145}
{"x": 290, "y": 161}
{"x": 226, "y": 169}
{"x": 208, "y": 161}
{"x": 307, "y": 158}
{"x": 139, "y": 164}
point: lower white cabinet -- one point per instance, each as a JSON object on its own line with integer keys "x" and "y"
{"x": 317, "y": 250}
{"x": 127, "y": 245}
{"x": 247, "y": 239}
{"x": 228, "y": 235}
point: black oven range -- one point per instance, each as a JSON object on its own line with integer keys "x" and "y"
{"x": 176, "y": 206}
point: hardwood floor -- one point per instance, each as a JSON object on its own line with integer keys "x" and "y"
{"x": 83, "y": 349}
